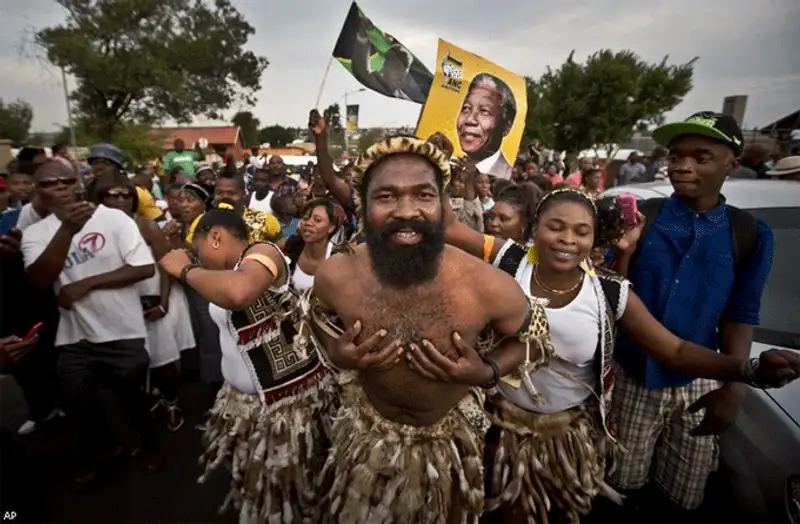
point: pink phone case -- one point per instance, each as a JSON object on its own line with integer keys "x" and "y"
{"x": 630, "y": 209}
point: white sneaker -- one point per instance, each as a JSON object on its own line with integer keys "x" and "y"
{"x": 27, "y": 428}
{"x": 30, "y": 426}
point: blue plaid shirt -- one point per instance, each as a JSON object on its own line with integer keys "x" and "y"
{"x": 684, "y": 274}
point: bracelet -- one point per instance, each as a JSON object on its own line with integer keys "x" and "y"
{"x": 186, "y": 269}
{"x": 495, "y": 373}
{"x": 749, "y": 373}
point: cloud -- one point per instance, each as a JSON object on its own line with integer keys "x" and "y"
{"x": 744, "y": 48}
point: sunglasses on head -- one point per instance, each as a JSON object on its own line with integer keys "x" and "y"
{"x": 53, "y": 182}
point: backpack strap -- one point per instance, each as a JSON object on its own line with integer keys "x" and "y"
{"x": 744, "y": 229}
{"x": 650, "y": 208}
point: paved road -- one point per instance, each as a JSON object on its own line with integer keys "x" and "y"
{"x": 128, "y": 495}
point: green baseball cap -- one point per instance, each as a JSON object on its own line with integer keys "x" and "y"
{"x": 722, "y": 128}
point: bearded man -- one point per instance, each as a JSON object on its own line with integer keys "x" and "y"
{"x": 407, "y": 444}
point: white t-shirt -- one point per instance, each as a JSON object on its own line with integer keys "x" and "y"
{"x": 265, "y": 205}
{"x": 108, "y": 241}
{"x": 27, "y": 217}
{"x": 256, "y": 161}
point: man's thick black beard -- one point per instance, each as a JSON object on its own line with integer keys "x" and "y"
{"x": 400, "y": 265}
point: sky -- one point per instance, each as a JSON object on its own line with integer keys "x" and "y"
{"x": 744, "y": 48}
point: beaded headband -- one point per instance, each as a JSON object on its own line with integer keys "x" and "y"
{"x": 566, "y": 190}
{"x": 393, "y": 146}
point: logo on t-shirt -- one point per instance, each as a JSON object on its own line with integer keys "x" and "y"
{"x": 88, "y": 246}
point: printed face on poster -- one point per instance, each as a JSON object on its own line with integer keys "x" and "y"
{"x": 479, "y": 106}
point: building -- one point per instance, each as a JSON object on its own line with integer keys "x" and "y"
{"x": 781, "y": 129}
{"x": 222, "y": 140}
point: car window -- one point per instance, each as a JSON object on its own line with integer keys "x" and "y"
{"x": 781, "y": 300}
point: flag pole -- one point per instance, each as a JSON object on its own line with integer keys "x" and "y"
{"x": 324, "y": 78}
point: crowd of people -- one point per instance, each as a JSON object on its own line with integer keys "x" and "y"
{"x": 400, "y": 339}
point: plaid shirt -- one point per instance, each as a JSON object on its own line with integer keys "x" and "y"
{"x": 287, "y": 188}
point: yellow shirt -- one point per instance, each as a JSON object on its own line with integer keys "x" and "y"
{"x": 147, "y": 204}
{"x": 264, "y": 227}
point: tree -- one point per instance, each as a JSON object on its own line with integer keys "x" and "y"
{"x": 276, "y": 136}
{"x": 368, "y": 138}
{"x": 248, "y": 126}
{"x": 137, "y": 142}
{"x": 603, "y": 101}
{"x": 152, "y": 60}
{"x": 15, "y": 121}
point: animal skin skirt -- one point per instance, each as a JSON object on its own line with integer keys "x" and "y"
{"x": 382, "y": 472}
{"x": 276, "y": 449}
{"x": 548, "y": 464}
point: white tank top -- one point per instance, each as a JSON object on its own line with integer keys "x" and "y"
{"x": 265, "y": 205}
{"x": 302, "y": 280}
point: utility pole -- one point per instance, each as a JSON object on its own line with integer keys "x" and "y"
{"x": 69, "y": 111}
{"x": 346, "y": 137}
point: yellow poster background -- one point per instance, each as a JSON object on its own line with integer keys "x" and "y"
{"x": 455, "y": 70}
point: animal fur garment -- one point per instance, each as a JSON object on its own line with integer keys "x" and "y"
{"x": 550, "y": 463}
{"x": 277, "y": 452}
{"x": 382, "y": 472}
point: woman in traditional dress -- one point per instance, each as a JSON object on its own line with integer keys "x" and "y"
{"x": 169, "y": 328}
{"x": 267, "y": 418}
{"x": 556, "y": 444}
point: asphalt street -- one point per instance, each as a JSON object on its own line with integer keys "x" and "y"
{"x": 127, "y": 494}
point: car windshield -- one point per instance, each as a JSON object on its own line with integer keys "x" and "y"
{"x": 781, "y": 300}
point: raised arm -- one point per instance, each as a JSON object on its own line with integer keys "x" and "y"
{"x": 338, "y": 187}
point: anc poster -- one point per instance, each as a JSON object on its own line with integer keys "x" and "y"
{"x": 479, "y": 106}
{"x": 351, "y": 118}
{"x": 379, "y": 61}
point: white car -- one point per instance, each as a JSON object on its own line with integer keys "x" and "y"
{"x": 762, "y": 450}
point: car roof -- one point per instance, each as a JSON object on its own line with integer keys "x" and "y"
{"x": 745, "y": 194}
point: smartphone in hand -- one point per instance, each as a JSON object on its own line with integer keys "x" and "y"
{"x": 630, "y": 209}
{"x": 33, "y": 331}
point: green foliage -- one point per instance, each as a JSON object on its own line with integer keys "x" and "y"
{"x": 604, "y": 100}
{"x": 15, "y": 121}
{"x": 137, "y": 142}
{"x": 248, "y": 127}
{"x": 152, "y": 60}
{"x": 276, "y": 136}
{"x": 368, "y": 138}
